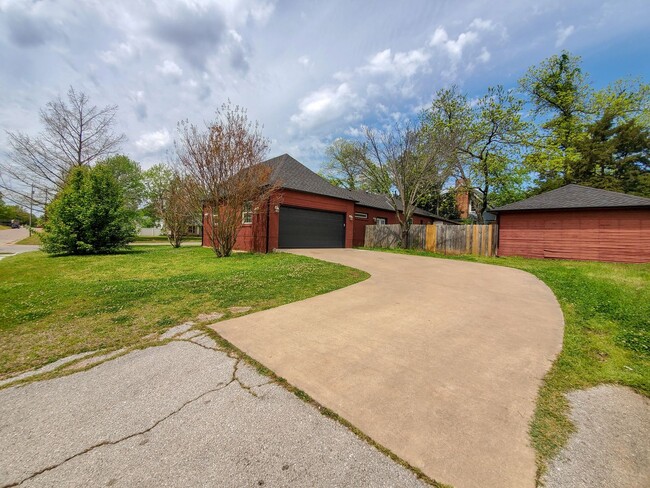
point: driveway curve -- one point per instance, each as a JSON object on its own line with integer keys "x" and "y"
{"x": 437, "y": 360}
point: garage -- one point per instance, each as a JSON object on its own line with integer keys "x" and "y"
{"x": 302, "y": 228}
{"x": 577, "y": 222}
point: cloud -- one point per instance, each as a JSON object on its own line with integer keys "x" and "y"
{"x": 482, "y": 24}
{"x": 120, "y": 52}
{"x": 485, "y": 55}
{"x": 454, "y": 48}
{"x": 305, "y": 61}
{"x": 562, "y": 34}
{"x": 195, "y": 30}
{"x": 153, "y": 142}
{"x": 403, "y": 64}
{"x": 170, "y": 68}
{"x": 325, "y": 105}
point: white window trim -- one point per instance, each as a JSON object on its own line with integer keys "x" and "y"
{"x": 381, "y": 220}
{"x": 361, "y": 215}
{"x": 247, "y": 215}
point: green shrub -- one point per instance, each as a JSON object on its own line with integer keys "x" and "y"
{"x": 88, "y": 216}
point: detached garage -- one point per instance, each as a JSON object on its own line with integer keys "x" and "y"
{"x": 577, "y": 222}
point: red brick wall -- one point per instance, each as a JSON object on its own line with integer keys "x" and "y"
{"x": 389, "y": 215}
{"x": 596, "y": 235}
{"x": 252, "y": 237}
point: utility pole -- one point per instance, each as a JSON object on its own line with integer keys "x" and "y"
{"x": 31, "y": 207}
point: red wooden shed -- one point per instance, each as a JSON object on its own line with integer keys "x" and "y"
{"x": 577, "y": 222}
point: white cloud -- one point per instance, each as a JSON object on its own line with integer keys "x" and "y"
{"x": 152, "y": 142}
{"x": 261, "y": 13}
{"x": 402, "y": 64}
{"x": 485, "y": 55}
{"x": 439, "y": 37}
{"x": 118, "y": 54}
{"x": 325, "y": 105}
{"x": 563, "y": 34}
{"x": 170, "y": 68}
{"x": 482, "y": 24}
{"x": 305, "y": 61}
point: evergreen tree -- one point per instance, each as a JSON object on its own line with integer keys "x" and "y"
{"x": 88, "y": 216}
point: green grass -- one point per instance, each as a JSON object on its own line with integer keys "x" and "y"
{"x": 34, "y": 240}
{"x": 56, "y": 306}
{"x": 4, "y": 227}
{"x": 162, "y": 239}
{"x": 606, "y": 337}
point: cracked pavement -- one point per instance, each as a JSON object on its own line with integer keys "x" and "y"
{"x": 181, "y": 414}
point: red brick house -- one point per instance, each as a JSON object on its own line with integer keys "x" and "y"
{"x": 309, "y": 212}
{"x": 577, "y": 222}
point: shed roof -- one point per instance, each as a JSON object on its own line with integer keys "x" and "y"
{"x": 291, "y": 174}
{"x": 574, "y": 197}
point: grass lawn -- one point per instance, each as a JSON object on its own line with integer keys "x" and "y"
{"x": 606, "y": 337}
{"x": 162, "y": 239}
{"x": 4, "y": 227}
{"x": 34, "y": 239}
{"x": 53, "y": 307}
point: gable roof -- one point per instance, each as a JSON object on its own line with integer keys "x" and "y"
{"x": 292, "y": 175}
{"x": 573, "y": 197}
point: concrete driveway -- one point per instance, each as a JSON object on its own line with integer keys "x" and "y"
{"x": 440, "y": 361}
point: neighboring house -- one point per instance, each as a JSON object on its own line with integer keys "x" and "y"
{"x": 468, "y": 202}
{"x": 309, "y": 212}
{"x": 577, "y": 222}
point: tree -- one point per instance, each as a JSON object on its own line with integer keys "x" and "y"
{"x": 598, "y": 138}
{"x": 75, "y": 133}
{"x": 402, "y": 163}
{"x": 559, "y": 93}
{"x": 88, "y": 215}
{"x": 128, "y": 175}
{"x": 345, "y": 166}
{"x": 173, "y": 199}
{"x": 224, "y": 159}
{"x": 486, "y": 137}
{"x": 156, "y": 182}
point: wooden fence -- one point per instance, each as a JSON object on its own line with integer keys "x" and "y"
{"x": 480, "y": 240}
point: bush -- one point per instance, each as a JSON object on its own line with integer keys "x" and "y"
{"x": 88, "y": 216}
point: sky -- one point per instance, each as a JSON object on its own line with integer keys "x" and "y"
{"x": 308, "y": 71}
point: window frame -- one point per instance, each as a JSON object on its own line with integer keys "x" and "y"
{"x": 381, "y": 221}
{"x": 247, "y": 214}
{"x": 361, "y": 215}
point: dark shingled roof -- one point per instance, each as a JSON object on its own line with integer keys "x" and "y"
{"x": 575, "y": 197}
{"x": 376, "y": 200}
{"x": 289, "y": 173}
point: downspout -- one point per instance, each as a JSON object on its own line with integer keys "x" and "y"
{"x": 268, "y": 217}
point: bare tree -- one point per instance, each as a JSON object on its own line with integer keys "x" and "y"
{"x": 404, "y": 162}
{"x": 225, "y": 160}
{"x": 179, "y": 208}
{"x": 75, "y": 133}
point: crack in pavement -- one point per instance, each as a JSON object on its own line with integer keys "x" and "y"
{"x": 149, "y": 429}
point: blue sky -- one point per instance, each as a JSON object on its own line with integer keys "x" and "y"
{"x": 310, "y": 71}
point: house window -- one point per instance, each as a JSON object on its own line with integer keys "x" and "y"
{"x": 360, "y": 215}
{"x": 380, "y": 221}
{"x": 247, "y": 213}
